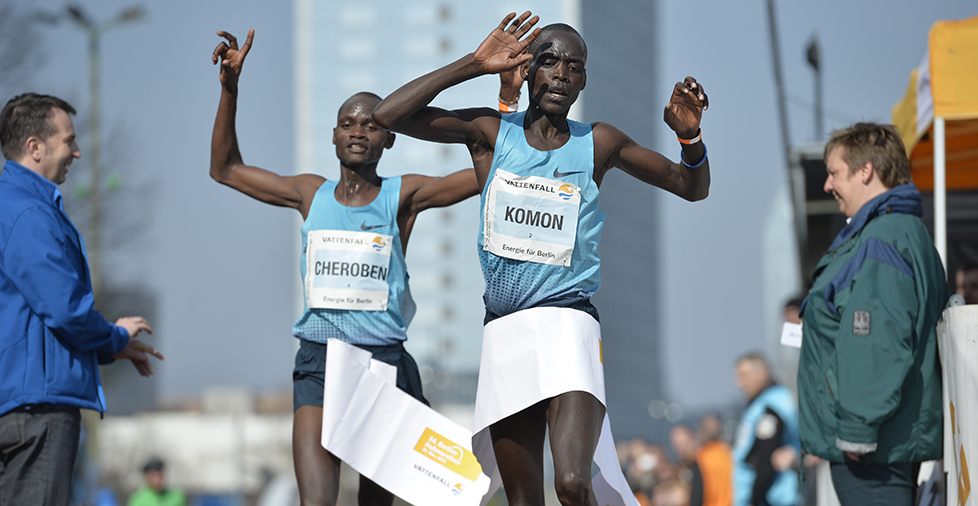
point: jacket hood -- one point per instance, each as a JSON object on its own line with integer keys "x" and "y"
{"x": 903, "y": 199}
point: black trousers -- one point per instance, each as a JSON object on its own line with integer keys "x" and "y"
{"x": 875, "y": 484}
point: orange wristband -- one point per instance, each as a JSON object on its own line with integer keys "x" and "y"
{"x": 508, "y": 108}
{"x": 694, "y": 140}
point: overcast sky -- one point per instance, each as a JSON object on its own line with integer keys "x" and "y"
{"x": 215, "y": 259}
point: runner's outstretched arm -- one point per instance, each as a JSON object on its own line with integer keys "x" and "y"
{"x": 430, "y": 192}
{"x": 424, "y": 192}
{"x": 227, "y": 166}
{"x": 405, "y": 110}
{"x": 690, "y": 177}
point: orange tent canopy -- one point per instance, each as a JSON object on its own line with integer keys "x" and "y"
{"x": 944, "y": 85}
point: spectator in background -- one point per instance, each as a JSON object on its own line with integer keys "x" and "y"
{"x": 670, "y": 490}
{"x": 640, "y": 463}
{"x": 791, "y": 310}
{"x": 686, "y": 446}
{"x": 869, "y": 378}
{"x": 770, "y": 421}
{"x": 715, "y": 463}
{"x": 155, "y": 492}
{"x": 787, "y": 457}
{"x": 968, "y": 283}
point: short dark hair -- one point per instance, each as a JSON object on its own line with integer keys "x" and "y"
{"x": 546, "y": 32}
{"x": 153, "y": 464}
{"x": 756, "y": 359}
{"x": 366, "y": 94}
{"x": 968, "y": 266}
{"x": 875, "y": 143}
{"x": 360, "y": 95}
{"x": 25, "y": 116}
{"x": 794, "y": 302}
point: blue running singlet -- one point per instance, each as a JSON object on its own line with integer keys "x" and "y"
{"x": 539, "y": 221}
{"x": 359, "y": 291}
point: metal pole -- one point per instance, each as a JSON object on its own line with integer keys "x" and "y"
{"x": 796, "y": 175}
{"x": 94, "y": 244}
{"x": 814, "y": 59}
{"x": 779, "y": 82}
{"x": 940, "y": 192}
{"x": 819, "y": 115}
{"x": 94, "y": 30}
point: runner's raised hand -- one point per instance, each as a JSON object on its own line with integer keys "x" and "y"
{"x": 230, "y": 57}
{"x": 685, "y": 108}
{"x": 503, "y": 49}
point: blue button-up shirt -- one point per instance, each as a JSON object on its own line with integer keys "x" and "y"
{"x": 51, "y": 336}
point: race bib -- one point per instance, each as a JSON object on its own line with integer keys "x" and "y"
{"x": 347, "y": 270}
{"x": 531, "y": 218}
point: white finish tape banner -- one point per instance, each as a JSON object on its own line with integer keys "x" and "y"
{"x": 388, "y": 436}
{"x": 957, "y": 338}
{"x": 536, "y": 354}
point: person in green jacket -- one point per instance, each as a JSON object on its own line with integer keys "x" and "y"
{"x": 869, "y": 377}
{"x": 155, "y": 492}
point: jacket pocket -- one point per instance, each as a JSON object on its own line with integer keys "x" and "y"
{"x": 68, "y": 371}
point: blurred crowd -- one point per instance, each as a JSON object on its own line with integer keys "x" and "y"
{"x": 695, "y": 469}
{"x": 758, "y": 463}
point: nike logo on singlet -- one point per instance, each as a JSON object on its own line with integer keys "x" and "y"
{"x": 558, "y": 173}
{"x": 363, "y": 226}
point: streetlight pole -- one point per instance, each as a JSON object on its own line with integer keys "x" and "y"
{"x": 812, "y": 55}
{"x": 94, "y": 30}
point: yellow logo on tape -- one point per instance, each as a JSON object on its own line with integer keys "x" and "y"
{"x": 450, "y": 455}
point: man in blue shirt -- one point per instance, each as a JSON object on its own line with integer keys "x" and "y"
{"x": 51, "y": 337}
{"x": 769, "y": 422}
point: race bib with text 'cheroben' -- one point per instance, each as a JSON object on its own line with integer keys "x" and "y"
{"x": 347, "y": 270}
{"x": 531, "y": 218}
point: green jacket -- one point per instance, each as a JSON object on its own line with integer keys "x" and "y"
{"x": 869, "y": 377}
{"x": 146, "y": 496}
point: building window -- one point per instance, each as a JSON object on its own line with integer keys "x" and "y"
{"x": 361, "y": 16}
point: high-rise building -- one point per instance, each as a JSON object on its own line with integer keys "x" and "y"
{"x": 622, "y": 68}
{"x": 378, "y": 45}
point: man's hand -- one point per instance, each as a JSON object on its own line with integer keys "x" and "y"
{"x": 853, "y": 456}
{"x": 134, "y": 325}
{"x": 685, "y": 108}
{"x": 784, "y": 458}
{"x": 136, "y": 351}
{"x": 503, "y": 50}
{"x": 231, "y": 58}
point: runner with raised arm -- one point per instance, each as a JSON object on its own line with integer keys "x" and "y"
{"x": 360, "y": 207}
{"x": 539, "y": 175}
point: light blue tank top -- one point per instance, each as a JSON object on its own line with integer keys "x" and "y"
{"x": 369, "y": 328}
{"x": 513, "y": 285}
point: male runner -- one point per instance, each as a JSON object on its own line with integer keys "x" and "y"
{"x": 360, "y": 204}
{"x": 539, "y": 174}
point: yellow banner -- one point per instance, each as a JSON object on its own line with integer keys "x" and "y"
{"x": 448, "y": 454}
